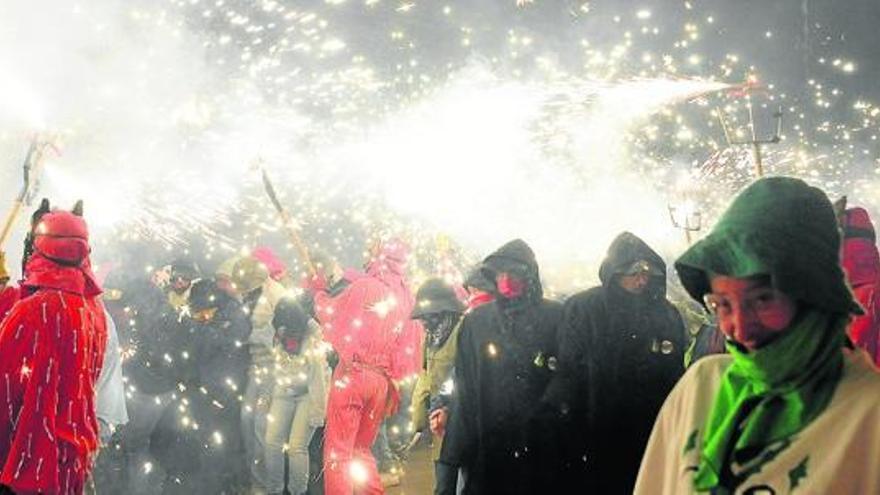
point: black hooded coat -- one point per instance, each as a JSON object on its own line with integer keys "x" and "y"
{"x": 210, "y": 458}
{"x": 620, "y": 355}
{"x": 505, "y": 359}
{"x": 149, "y": 328}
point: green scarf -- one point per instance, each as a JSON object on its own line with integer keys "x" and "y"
{"x": 772, "y": 393}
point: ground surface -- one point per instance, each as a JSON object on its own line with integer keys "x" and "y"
{"x": 419, "y": 476}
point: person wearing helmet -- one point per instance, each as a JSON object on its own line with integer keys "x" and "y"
{"x": 793, "y": 408}
{"x": 259, "y": 294}
{"x": 299, "y": 397}
{"x": 440, "y": 312}
{"x": 183, "y": 274}
{"x": 53, "y": 340}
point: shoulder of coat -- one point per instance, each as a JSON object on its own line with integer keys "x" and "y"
{"x": 586, "y": 297}
{"x": 707, "y": 370}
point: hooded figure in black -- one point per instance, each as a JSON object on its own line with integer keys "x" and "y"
{"x": 505, "y": 359}
{"x": 209, "y": 452}
{"x": 151, "y": 338}
{"x": 621, "y": 351}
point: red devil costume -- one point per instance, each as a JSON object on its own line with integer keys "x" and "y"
{"x": 52, "y": 343}
{"x": 861, "y": 262}
{"x": 369, "y": 327}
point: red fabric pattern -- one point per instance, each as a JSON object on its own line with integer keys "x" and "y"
{"x": 53, "y": 346}
{"x": 42, "y": 268}
{"x": 355, "y": 410}
{"x": 861, "y": 262}
{"x": 8, "y": 297}
{"x": 369, "y": 321}
{"x": 865, "y": 330}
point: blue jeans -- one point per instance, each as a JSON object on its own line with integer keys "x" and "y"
{"x": 254, "y": 408}
{"x": 288, "y": 426}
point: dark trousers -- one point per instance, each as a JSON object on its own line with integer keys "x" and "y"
{"x": 316, "y": 463}
{"x": 445, "y": 479}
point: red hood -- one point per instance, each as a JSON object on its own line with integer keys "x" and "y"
{"x": 277, "y": 268}
{"x": 861, "y": 261}
{"x": 61, "y": 256}
{"x": 389, "y": 265}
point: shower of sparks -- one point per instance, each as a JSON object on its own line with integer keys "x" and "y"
{"x": 351, "y": 118}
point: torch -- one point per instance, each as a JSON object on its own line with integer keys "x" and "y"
{"x": 30, "y": 181}
{"x": 288, "y": 221}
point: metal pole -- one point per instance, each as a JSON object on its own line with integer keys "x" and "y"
{"x": 756, "y": 145}
{"x": 756, "y": 158}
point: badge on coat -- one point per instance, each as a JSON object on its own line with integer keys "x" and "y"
{"x": 662, "y": 346}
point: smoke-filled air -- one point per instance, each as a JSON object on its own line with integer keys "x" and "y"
{"x": 276, "y": 193}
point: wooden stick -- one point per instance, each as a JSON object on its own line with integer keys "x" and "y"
{"x": 289, "y": 225}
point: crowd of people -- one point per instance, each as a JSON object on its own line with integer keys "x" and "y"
{"x": 250, "y": 379}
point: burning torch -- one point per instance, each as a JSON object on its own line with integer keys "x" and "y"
{"x": 33, "y": 161}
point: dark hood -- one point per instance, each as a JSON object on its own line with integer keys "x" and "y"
{"x": 626, "y": 249}
{"x": 517, "y": 258}
{"x": 290, "y": 319}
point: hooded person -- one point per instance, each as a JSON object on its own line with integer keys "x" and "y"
{"x": 154, "y": 346}
{"x": 861, "y": 263}
{"x": 505, "y": 358}
{"x": 440, "y": 311}
{"x": 369, "y": 328}
{"x": 299, "y": 398}
{"x": 621, "y": 351}
{"x": 209, "y": 453}
{"x": 792, "y": 407}
{"x": 259, "y": 294}
{"x": 53, "y": 341}
{"x": 182, "y": 275}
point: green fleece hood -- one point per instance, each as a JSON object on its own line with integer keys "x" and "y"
{"x": 781, "y": 227}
